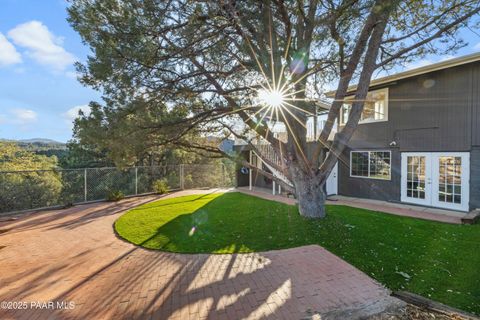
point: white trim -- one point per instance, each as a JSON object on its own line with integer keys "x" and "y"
{"x": 331, "y": 185}
{"x": 403, "y": 179}
{"x": 432, "y": 180}
{"x": 387, "y": 93}
{"x": 465, "y": 183}
{"x": 368, "y": 177}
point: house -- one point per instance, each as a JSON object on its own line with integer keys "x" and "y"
{"x": 253, "y": 178}
{"x": 418, "y": 141}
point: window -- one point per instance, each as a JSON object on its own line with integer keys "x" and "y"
{"x": 359, "y": 166}
{"x": 380, "y": 165}
{"x": 370, "y": 164}
{"x": 374, "y": 109}
{"x": 450, "y": 179}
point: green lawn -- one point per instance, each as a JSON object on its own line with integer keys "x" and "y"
{"x": 436, "y": 260}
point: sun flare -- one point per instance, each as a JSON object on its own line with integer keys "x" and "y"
{"x": 271, "y": 98}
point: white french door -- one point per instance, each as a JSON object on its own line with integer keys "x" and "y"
{"x": 438, "y": 179}
{"x": 416, "y": 178}
{"x": 332, "y": 181}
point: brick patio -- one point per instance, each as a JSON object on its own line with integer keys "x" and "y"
{"x": 74, "y": 255}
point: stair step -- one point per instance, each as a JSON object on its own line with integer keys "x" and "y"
{"x": 472, "y": 217}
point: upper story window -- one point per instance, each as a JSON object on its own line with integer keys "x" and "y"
{"x": 375, "y": 107}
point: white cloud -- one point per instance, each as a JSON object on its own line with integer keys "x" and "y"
{"x": 23, "y": 116}
{"x": 42, "y": 45}
{"x": 8, "y": 54}
{"x": 72, "y": 113}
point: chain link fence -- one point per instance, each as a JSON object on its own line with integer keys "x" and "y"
{"x": 27, "y": 190}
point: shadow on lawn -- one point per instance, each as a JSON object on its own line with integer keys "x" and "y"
{"x": 176, "y": 200}
{"x": 221, "y": 225}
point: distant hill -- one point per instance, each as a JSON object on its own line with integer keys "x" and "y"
{"x": 36, "y": 141}
{"x": 40, "y": 140}
{"x": 47, "y": 147}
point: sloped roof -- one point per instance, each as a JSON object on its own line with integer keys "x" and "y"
{"x": 418, "y": 71}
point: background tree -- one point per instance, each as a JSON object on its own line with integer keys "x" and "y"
{"x": 25, "y": 189}
{"x": 170, "y": 70}
{"x": 111, "y": 137}
{"x": 80, "y": 155}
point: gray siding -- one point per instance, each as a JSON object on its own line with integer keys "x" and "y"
{"x": 258, "y": 180}
{"x": 431, "y": 112}
{"x": 435, "y": 112}
{"x": 475, "y": 105}
{"x": 387, "y": 190}
{"x": 475, "y": 178}
{"x": 242, "y": 179}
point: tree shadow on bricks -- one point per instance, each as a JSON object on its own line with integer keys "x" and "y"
{"x": 157, "y": 285}
{"x": 144, "y": 284}
{"x": 75, "y": 216}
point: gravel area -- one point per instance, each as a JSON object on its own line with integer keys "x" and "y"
{"x": 416, "y": 313}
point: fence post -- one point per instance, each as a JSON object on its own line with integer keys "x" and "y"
{"x": 182, "y": 182}
{"x": 250, "y": 171}
{"x": 223, "y": 175}
{"x": 136, "y": 180}
{"x": 85, "y": 184}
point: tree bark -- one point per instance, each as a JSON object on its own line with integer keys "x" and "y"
{"x": 310, "y": 194}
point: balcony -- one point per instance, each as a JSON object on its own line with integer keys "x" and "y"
{"x": 281, "y": 133}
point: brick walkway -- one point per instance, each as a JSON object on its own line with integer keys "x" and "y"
{"x": 399, "y": 209}
{"x": 73, "y": 255}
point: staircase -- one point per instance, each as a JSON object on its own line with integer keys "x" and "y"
{"x": 269, "y": 153}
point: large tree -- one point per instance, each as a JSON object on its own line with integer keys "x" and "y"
{"x": 183, "y": 68}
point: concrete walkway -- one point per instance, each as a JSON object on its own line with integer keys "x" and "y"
{"x": 399, "y": 209}
{"x": 69, "y": 264}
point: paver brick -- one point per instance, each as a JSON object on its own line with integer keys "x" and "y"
{"x": 74, "y": 255}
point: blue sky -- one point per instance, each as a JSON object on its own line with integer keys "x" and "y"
{"x": 39, "y": 95}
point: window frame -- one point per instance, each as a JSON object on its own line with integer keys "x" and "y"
{"x": 340, "y": 115}
{"x": 369, "y": 177}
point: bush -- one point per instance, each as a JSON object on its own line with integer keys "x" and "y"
{"x": 115, "y": 195}
{"x": 160, "y": 186}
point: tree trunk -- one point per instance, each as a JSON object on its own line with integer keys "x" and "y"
{"x": 310, "y": 195}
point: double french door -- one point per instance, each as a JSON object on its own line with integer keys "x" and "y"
{"x": 438, "y": 179}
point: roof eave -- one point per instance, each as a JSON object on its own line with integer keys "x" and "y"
{"x": 417, "y": 71}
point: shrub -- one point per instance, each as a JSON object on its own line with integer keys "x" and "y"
{"x": 115, "y": 195}
{"x": 160, "y": 186}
